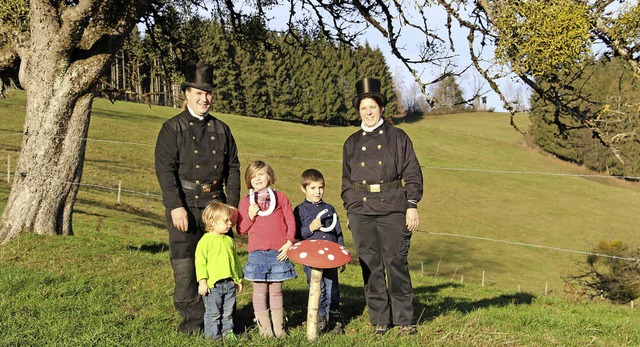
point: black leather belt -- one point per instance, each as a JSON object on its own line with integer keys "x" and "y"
{"x": 199, "y": 188}
{"x": 377, "y": 188}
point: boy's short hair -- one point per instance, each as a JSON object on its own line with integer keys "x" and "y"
{"x": 216, "y": 212}
{"x": 310, "y": 175}
{"x": 255, "y": 166}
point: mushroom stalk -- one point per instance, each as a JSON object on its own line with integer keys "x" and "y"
{"x": 312, "y": 306}
{"x": 317, "y": 255}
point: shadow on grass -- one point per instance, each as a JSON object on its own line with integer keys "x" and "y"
{"x": 153, "y": 248}
{"x": 502, "y": 300}
{"x": 296, "y": 300}
{"x": 147, "y": 217}
{"x": 428, "y": 305}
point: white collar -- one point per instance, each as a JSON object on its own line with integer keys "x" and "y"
{"x": 370, "y": 129}
{"x": 194, "y": 114}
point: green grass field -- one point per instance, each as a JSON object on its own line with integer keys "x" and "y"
{"x": 491, "y": 205}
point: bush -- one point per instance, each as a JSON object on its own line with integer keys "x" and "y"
{"x": 612, "y": 271}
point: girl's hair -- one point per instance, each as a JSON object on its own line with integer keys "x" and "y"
{"x": 216, "y": 212}
{"x": 256, "y": 166}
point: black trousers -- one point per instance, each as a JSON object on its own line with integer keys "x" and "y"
{"x": 382, "y": 244}
{"x": 186, "y": 299}
{"x": 182, "y": 247}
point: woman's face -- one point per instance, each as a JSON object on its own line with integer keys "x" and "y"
{"x": 370, "y": 112}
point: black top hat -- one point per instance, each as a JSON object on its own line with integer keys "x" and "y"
{"x": 368, "y": 87}
{"x": 199, "y": 76}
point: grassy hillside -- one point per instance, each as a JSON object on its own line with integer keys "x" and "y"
{"x": 486, "y": 195}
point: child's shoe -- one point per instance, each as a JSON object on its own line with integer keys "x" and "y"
{"x": 278, "y": 319}
{"x": 335, "y": 324}
{"x": 263, "y": 320}
{"x": 323, "y": 321}
{"x": 230, "y": 336}
{"x": 408, "y": 330}
{"x": 381, "y": 329}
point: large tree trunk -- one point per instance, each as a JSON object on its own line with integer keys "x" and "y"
{"x": 67, "y": 49}
{"x": 49, "y": 169}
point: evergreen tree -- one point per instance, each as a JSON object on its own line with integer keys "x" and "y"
{"x": 608, "y": 89}
{"x": 449, "y": 96}
{"x": 253, "y": 81}
{"x": 347, "y": 75}
{"x": 219, "y": 50}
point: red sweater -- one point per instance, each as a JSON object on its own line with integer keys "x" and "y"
{"x": 268, "y": 232}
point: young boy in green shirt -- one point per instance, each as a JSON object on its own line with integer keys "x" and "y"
{"x": 218, "y": 270}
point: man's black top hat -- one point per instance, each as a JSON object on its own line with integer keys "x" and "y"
{"x": 199, "y": 76}
{"x": 368, "y": 87}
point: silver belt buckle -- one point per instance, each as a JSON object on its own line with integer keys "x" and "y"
{"x": 374, "y": 188}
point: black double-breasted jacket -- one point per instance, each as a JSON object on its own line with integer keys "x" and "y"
{"x": 382, "y": 156}
{"x": 194, "y": 152}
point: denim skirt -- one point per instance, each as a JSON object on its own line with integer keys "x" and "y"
{"x": 262, "y": 266}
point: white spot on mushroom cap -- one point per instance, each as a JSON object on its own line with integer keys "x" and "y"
{"x": 319, "y": 253}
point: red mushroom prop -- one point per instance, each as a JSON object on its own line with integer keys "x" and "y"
{"x": 318, "y": 255}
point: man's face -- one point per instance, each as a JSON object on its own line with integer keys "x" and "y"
{"x": 198, "y": 100}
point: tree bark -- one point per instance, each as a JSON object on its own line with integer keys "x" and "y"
{"x": 66, "y": 51}
{"x": 49, "y": 169}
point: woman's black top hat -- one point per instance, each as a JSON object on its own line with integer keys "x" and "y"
{"x": 199, "y": 76}
{"x": 368, "y": 87}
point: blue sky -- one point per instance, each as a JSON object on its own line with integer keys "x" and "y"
{"x": 437, "y": 20}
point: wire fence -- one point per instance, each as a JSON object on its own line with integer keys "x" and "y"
{"x": 120, "y": 190}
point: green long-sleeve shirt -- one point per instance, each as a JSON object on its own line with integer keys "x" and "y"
{"x": 216, "y": 259}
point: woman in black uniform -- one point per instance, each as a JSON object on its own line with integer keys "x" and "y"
{"x": 381, "y": 188}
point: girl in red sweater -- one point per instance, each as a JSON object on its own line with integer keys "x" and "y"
{"x": 267, "y": 217}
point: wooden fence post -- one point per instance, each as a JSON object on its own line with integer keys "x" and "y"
{"x": 483, "y": 278}
{"x": 119, "y": 189}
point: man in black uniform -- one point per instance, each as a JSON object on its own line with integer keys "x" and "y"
{"x": 196, "y": 161}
